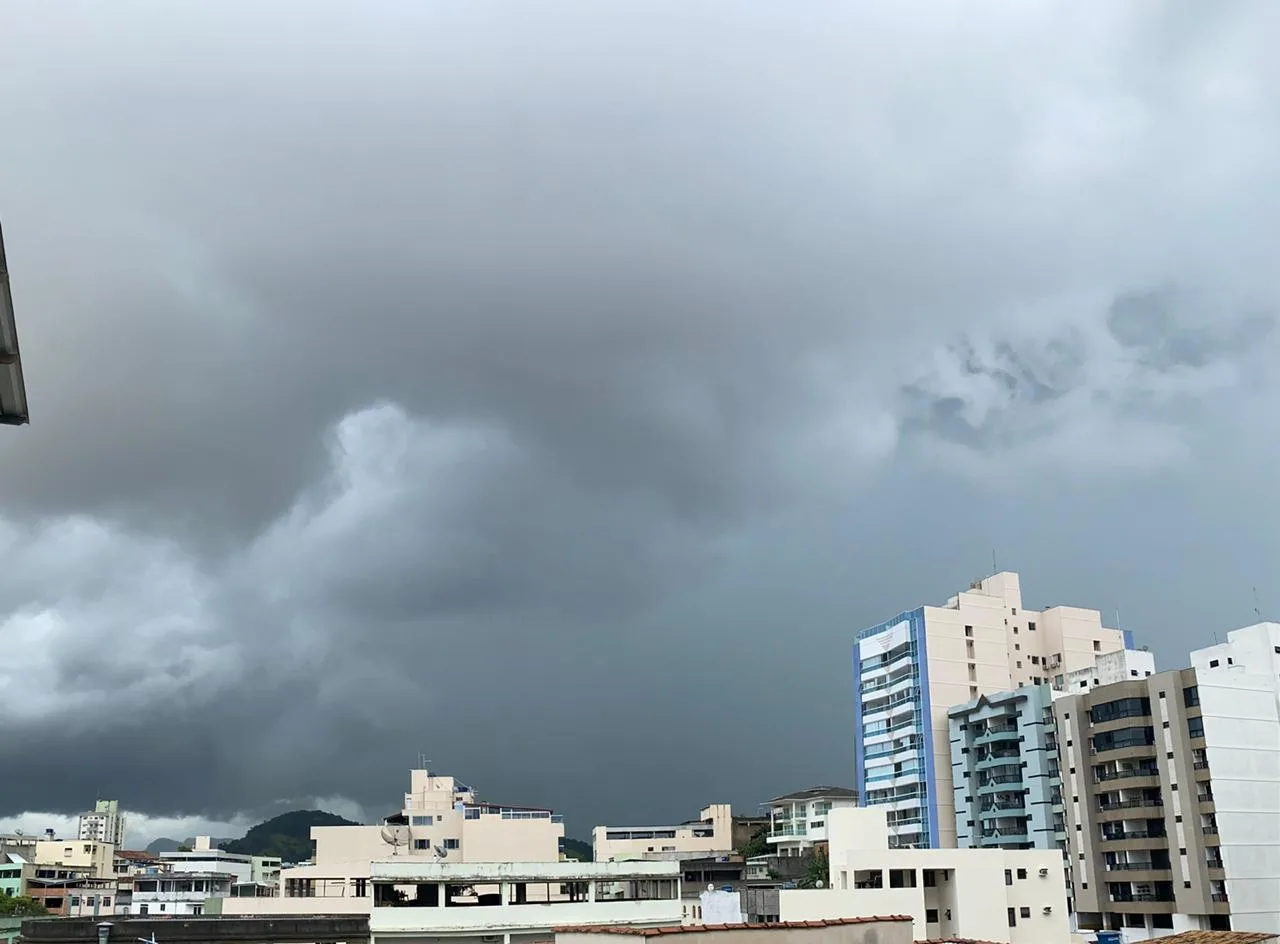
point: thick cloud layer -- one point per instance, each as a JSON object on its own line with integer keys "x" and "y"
{"x": 554, "y": 389}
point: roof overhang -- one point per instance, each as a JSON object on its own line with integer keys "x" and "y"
{"x": 13, "y": 393}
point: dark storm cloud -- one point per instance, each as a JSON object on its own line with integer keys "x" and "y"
{"x": 553, "y": 389}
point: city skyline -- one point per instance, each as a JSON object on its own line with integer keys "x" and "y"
{"x": 557, "y": 389}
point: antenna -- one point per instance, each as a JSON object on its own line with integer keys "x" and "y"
{"x": 994, "y": 569}
{"x": 395, "y": 836}
{"x": 1256, "y": 612}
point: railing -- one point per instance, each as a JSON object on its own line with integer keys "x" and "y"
{"x": 1204, "y": 797}
{"x": 1002, "y": 778}
{"x": 1219, "y": 896}
{"x": 1127, "y": 774}
{"x": 1128, "y": 805}
{"x": 1213, "y": 863}
{"x": 1140, "y": 896}
{"x": 1200, "y": 765}
{"x": 1137, "y": 867}
{"x": 1134, "y": 834}
{"x": 1209, "y": 830}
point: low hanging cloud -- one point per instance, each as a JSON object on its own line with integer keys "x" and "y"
{"x": 552, "y": 391}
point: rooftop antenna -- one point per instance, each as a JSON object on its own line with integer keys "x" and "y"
{"x": 994, "y": 569}
{"x": 1256, "y": 611}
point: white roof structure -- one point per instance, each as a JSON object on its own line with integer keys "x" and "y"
{"x": 13, "y": 394}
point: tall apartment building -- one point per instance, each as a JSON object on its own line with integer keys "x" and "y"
{"x": 1004, "y": 770}
{"x": 1172, "y": 798}
{"x": 104, "y": 823}
{"x": 910, "y": 669}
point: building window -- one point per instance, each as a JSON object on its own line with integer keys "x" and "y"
{"x": 361, "y": 888}
{"x": 422, "y": 844}
{"x": 142, "y": 909}
{"x": 451, "y": 844}
{"x": 1031, "y": 627}
{"x": 1008, "y": 877}
{"x": 1191, "y": 696}
{"x": 1213, "y": 663}
{"x": 931, "y": 916}
{"x": 1013, "y": 917}
{"x": 1195, "y": 727}
{"x": 473, "y": 812}
{"x": 1022, "y": 873}
{"x": 968, "y": 631}
{"x": 1097, "y": 646}
{"x": 1026, "y": 912}
{"x": 422, "y": 820}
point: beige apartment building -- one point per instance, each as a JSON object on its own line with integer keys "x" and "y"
{"x": 711, "y": 832}
{"x": 442, "y": 820}
{"x": 909, "y": 670}
{"x": 95, "y": 858}
{"x": 1171, "y": 788}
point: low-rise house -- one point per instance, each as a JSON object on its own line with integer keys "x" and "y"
{"x": 11, "y": 883}
{"x": 711, "y": 832}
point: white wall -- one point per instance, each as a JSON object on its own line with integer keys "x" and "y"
{"x": 1242, "y": 745}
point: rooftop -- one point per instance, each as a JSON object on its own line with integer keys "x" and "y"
{"x": 13, "y": 393}
{"x": 1218, "y": 937}
{"x": 814, "y": 793}
{"x": 701, "y": 928}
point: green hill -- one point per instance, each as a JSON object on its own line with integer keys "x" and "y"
{"x": 577, "y": 849}
{"x": 287, "y": 836}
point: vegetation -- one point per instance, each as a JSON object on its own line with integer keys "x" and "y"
{"x": 287, "y": 836}
{"x": 757, "y": 845}
{"x": 816, "y": 870}
{"x": 579, "y": 850}
{"x": 20, "y": 906}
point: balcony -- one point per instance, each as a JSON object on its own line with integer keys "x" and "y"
{"x": 1209, "y": 830}
{"x": 1140, "y": 897}
{"x": 1131, "y": 773}
{"x": 1122, "y": 835}
{"x": 1128, "y": 804}
{"x": 997, "y": 734}
{"x": 1138, "y": 867}
{"x": 1219, "y": 897}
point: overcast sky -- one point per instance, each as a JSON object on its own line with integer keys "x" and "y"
{"x": 554, "y": 389}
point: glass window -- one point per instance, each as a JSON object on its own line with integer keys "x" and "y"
{"x": 1195, "y": 727}
{"x": 1121, "y": 708}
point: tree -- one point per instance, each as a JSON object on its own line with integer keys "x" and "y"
{"x": 817, "y": 869}
{"x": 20, "y": 906}
{"x": 184, "y": 848}
{"x": 757, "y": 845}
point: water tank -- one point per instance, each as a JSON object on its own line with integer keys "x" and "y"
{"x": 1108, "y": 937}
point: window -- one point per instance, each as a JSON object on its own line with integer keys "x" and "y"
{"x": 1195, "y": 727}
{"x": 451, "y": 844}
{"x": 1035, "y": 660}
{"x": 1025, "y": 911}
{"x": 422, "y": 820}
{"x": 1031, "y": 627}
{"x": 931, "y": 916}
{"x": 422, "y": 844}
{"x": 1097, "y": 646}
{"x": 1019, "y": 663}
{"x": 1013, "y": 917}
{"x": 1121, "y": 708}
{"x": 1022, "y": 873}
{"x": 473, "y": 812}
{"x": 1133, "y": 672}
{"x": 1008, "y": 877}
{"x": 361, "y": 888}
{"x": 106, "y": 901}
{"x": 1125, "y": 737}
{"x": 142, "y": 909}
{"x": 1191, "y": 696}
{"x": 968, "y": 631}
{"x": 75, "y": 901}
{"x": 1017, "y": 647}
{"x": 1213, "y": 663}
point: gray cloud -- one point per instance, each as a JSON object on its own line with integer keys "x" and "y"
{"x": 556, "y": 390}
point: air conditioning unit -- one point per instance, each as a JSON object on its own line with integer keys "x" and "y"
{"x": 1044, "y": 873}
{"x": 1048, "y": 909}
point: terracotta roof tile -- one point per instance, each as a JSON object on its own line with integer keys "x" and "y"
{"x": 699, "y": 928}
{"x": 1218, "y": 937}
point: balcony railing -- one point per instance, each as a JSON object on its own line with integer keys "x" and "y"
{"x": 1127, "y": 774}
{"x": 1204, "y": 797}
{"x": 1134, "y": 834}
{"x": 1128, "y": 804}
{"x": 1200, "y": 765}
{"x": 1219, "y": 896}
{"x": 1137, "y": 867}
{"x": 1141, "y": 896}
{"x": 1210, "y": 830}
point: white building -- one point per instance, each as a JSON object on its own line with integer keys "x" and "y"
{"x": 711, "y": 832}
{"x": 909, "y": 670}
{"x": 1123, "y": 665}
{"x": 1238, "y": 689}
{"x": 245, "y": 870}
{"x": 1004, "y": 895}
{"x": 514, "y": 902}
{"x": 169, "y": 894}
{"x": 798, "y": 821}
{"x": 104, "y": 823}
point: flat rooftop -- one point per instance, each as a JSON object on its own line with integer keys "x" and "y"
{"x": 409, "y": 871}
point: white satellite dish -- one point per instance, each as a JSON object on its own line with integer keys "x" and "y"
{"x": 441, "y": 852}
{"x": 711, "y": 886}
{"x": 395, "y": 836}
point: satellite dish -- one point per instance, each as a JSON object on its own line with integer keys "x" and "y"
{"x": 819, "y": 884}
{"x": 711, "y": 886}
{"x": 395, "y": 836}
{"x": 441, "y": 852}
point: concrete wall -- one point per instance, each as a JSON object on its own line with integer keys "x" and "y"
{"x": 879, "y": 932}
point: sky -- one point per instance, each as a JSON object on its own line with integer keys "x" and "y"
{"x": 553, "y": 390}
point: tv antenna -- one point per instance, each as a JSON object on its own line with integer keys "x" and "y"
{"x": 1256, "y": 611}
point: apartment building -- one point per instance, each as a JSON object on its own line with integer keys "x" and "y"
{"x": 104, "y": 823}
{"x": 798, "y": 821}
{"x": 1007, "y": 895}
{"x": 909, "y": 670}
{"x": 11, "y": 874}
{"x": 95, "y": 858}
{"x": 1004, "y": 770}
{"x": 1108, "y": 668}
{"x": 1171, "y": 786}
{"x": 712, "y": 831}
{"x": 442, "y": 820}
{"x": 176, "y": 894}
